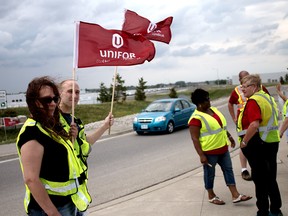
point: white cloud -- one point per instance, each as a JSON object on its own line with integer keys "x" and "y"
{"x": 36, "y": 38}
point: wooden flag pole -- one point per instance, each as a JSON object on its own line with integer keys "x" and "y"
{"x": 73, "y": 95}
{"x": 73, "y": 99}
{"x": 113, "y": 91}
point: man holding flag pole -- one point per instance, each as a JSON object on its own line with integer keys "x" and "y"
{"x": 96, "y": 46}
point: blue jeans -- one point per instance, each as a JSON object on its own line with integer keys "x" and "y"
{"x": 66, "y": 210}
{"x": 224, "y": 161}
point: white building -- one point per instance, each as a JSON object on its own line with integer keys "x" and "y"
{"x": 265, "y": 77}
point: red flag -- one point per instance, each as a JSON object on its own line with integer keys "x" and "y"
{"x": 136, "y": 24}
{"x": 96, "y": 46}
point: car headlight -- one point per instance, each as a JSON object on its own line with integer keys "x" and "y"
{"x": 135, "y": 119}
{"x": 161, "y": 118}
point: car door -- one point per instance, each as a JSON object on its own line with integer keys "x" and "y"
{"x": 178, "y": 115}
{"x": 186, "y": 112}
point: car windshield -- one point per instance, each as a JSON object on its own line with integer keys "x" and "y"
{"x": 163, "y": 106}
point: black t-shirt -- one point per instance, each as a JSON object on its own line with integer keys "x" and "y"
{"x": 54, "y": 165}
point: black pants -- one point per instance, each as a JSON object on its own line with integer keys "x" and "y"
{"x": 262, "y": 158}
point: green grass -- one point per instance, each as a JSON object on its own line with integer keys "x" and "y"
{"x": 96, "y": 112}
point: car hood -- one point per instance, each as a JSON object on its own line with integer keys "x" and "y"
{"x": 151, "y": 114}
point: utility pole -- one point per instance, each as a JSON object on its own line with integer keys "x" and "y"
{"x": 217, "y": 71}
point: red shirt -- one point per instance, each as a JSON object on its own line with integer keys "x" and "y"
{"x": 197, "y": 123}
{"x": 251, "y": 113}
{"x": 234, "y": 96}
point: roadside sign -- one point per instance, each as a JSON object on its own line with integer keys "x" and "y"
{"x": 3, "y": 99}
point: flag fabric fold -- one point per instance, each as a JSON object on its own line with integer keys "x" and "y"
{"x": 97, "y": 46}
{"x": 136, "y": 24}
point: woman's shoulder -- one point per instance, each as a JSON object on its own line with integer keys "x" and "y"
{"x": 31, "y": 132}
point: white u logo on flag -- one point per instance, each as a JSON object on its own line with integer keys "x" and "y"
{"x": 117, "y": 41}
{"x": 151, "y": 27}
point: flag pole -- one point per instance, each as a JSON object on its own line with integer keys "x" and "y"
{"x": 73, "y": 94}
{"x": 113, "y": 91}
{"x": 73, "y": 99}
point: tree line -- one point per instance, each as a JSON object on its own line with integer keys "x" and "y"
{"x": 120, "y": 95}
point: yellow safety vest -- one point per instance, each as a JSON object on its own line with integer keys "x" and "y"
{"x": 268, "y": 128}
{"x": 212, "y": 135}
{"x": 284, "y": 109}
{"x": 81, "y": 146}
{"x": 75, "y": 186}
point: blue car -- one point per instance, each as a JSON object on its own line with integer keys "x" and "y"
{"x": 164, "y": 116}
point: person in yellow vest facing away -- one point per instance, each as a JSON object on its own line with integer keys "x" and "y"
{"x": 258, "y": 131}
{"x": 209, "y": 135}
{"x": 238, "y": 99}
{"x": 82, "y": 142}
{"x": 52, "y": 173}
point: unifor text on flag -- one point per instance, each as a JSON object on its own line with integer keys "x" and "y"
{"x": 136, "y": 24}
{"x": 97, "y": 46}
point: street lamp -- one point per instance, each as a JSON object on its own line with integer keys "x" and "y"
{"x": 217, "y": 70}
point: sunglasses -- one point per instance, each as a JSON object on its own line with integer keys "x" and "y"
{"x": 48, "y": 100}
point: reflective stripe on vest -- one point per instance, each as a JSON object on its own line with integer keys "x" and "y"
{"x": 241, "y": 98}
{"x": 284, "y": 109}
{"x": 266, "y": 129}
{"x": 210, "y": 131}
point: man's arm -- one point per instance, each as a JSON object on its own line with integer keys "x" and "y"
{"x": 93, "y": 137}
{"x": 280, "y": 93}
{"x": 232, "y": 112}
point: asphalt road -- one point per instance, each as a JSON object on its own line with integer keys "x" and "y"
{"x": 117, "y": 166}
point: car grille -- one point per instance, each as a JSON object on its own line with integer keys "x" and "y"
{"x": 145, "y": 120}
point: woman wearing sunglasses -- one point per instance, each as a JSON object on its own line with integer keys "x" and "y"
{"x": 51, "y": 170}
{"x": 258, "y": 131}
{"x": 207, "y": 127}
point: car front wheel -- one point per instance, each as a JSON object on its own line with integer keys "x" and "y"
{"x": 170, "y": 127}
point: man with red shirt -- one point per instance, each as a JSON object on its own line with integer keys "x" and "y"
{"x": 237, "y": 98}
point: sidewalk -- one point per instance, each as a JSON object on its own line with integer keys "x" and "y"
{"x": 186, "y": 196}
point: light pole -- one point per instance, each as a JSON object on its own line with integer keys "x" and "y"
{"x": 217, "y": 70}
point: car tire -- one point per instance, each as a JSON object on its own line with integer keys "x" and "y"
{"x": 140, "y": 132}
{"x": 170, "y": 127}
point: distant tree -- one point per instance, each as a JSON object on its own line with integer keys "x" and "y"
{"x": 180, "y": 84}
{"x": 173, "y": 93}
{"x": 207, "y": 82}
{"x": 120, "y": 89}
{"x": 282, "y": 81}
{"x": 223, "y": 82}
{"x": 140, "y": 90}
{"x": 104, "y": 95}
{"x": 286, "y": 77}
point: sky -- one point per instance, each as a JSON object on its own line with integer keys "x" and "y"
{"x": 211, "y": 39}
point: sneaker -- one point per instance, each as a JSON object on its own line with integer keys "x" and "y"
{"x": 246, "y": 176}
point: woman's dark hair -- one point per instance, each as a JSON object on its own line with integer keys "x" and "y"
{"x": 199, "y": 96}
{"x": 51, "y": 125}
